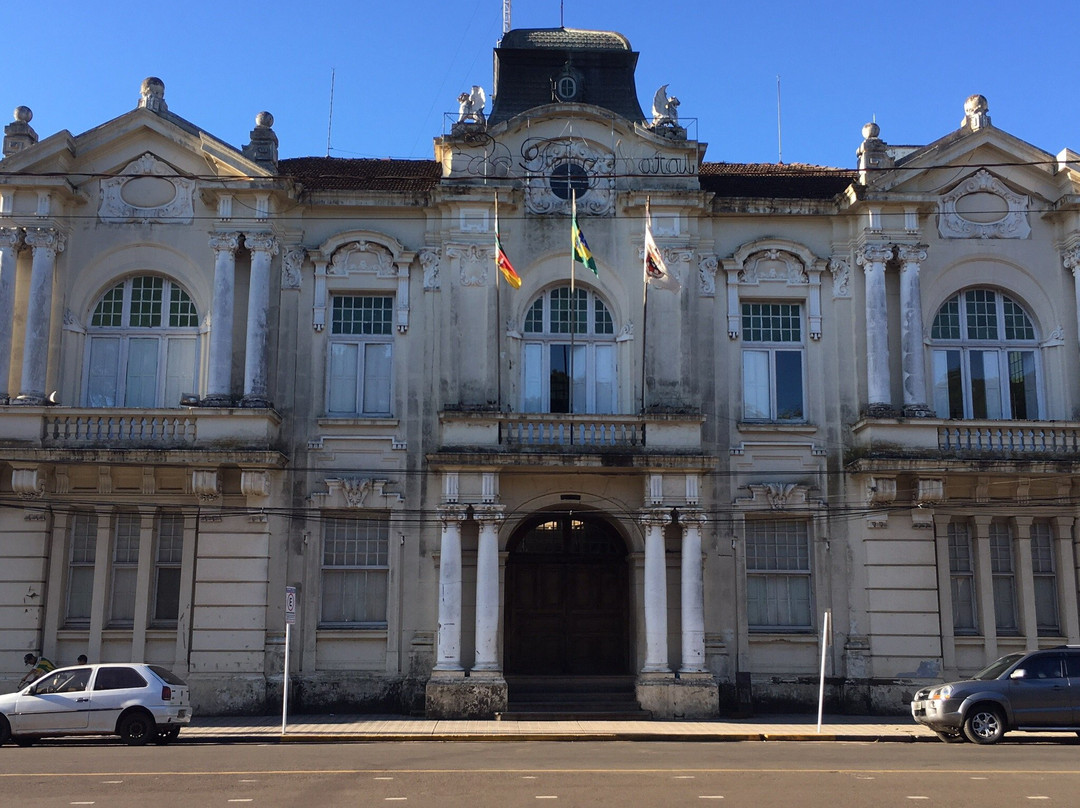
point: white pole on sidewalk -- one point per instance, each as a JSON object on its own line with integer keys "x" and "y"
{"x": 821, "y": 681}
{"x": 285, "y": 682}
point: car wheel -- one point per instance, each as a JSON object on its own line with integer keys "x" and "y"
{"x": 951, "y": 737}
{"x": 135, "y": 729}
{"x": 23, "y": 740}
{"x": 984, "y": 724}
{"x": 166, "y": 735}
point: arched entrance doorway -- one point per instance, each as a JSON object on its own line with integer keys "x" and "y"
{"x": 567, "y": 598}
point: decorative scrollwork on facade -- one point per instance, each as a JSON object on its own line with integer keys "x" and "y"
{"x": 364, "y": 257}
{"x": 429, "y": 260}
{"x": 841, "y": 276}
{"x": 707, "y": 267}
{"x": 542, "y": 158}
{"x": 292, "y": 259}
{"x": 474, "y": 261}
{"x": 986, "y": 194}
{"x": 773, "y": 265}
{"x": 148, "y": 190}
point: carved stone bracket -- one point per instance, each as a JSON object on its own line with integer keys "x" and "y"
{"x": 292, "y": 262}
{"x": 777, "y": 496}
{"x": 430, "y": 258}
{"x": 28, "y": 483}
{"x": 473, "y": 262}
{"x": 359, "y": 492}
{"x": 841, "y": 275}
{"x": 255, "y": 483}
{"x": 707, "y": 267}
{"x": 206, "y": 485}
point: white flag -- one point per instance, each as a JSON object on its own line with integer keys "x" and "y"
{"x": 656, "y": 271}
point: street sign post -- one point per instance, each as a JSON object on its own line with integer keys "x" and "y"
{"x": 290, "y": 620}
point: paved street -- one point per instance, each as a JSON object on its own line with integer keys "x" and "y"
{"x": 510, "y": 773}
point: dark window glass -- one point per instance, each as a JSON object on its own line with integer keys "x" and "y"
{"x": 118, "y": 679}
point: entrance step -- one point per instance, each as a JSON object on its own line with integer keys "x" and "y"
{"x": 561, "y": 698}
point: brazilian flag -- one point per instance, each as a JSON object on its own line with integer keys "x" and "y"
{"x": 582, "y": 253}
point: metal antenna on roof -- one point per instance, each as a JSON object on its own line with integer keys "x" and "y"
{"x": 562, "y": 23}
{"x": 330, "y": 121}
{"x": 779, "y": 130}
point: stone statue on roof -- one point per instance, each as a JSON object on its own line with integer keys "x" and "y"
{"x": 472, "y": 106}
{"x": 665, "y": 108}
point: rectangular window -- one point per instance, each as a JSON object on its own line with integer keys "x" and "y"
{"x": 80, "y": 593}
{"x": 1004, "y": 578}
{"x": 773, "y": 378}
{"x": 361, "y": 355}
{"x": 355, "y": 570}
{"x": 167, "y": 561}
{"x": 777, "y": 574}
{"x": 962, "y": 579}
{"x": 1045, "y": 574}
{"x": 125, "y": 569}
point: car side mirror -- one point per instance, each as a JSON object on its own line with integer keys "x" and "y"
{"x": 1019, "y": 673}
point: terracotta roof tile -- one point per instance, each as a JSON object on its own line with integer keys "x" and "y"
{"x": 362, "y": 174}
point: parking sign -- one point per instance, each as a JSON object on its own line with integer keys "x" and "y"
{"x": 290, "y": 605}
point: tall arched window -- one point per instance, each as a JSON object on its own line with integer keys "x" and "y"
{"x": 552, "y": 357}
{"x": 985, "y": 358}
{"x": 142, "y": 345}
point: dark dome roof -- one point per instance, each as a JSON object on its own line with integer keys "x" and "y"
{"x": 564, "y": 39}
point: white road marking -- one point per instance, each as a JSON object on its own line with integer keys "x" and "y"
{"x": 249, "y": 781}
{"x": 1038, "y": 798}
{"x": 684, "y": 777}
{"x": 81, "y": 803}
{"x": 112, "y": 782}
{"x": 528, "y": 777}
{"x": 910, "y": 797}
{"x": 546, "y": 797}
{"x": 395, "y": 799}
{"x": 980, "y": 778}
{"x": 246, "y": 799}
{"x": 382, "y": 778}
{"x": 710, "y": 796}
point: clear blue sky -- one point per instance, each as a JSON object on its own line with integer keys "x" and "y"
{"x": 400, "y": 66}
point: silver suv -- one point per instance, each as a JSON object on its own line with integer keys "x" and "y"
{"x": 136, "y": 701}
{"x": 1037, "y": 692}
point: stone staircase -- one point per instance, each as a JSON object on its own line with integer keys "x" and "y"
{"x": 560, "y": 698}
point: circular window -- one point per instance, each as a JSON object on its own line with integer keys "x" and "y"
{"x": 567, "y": 178}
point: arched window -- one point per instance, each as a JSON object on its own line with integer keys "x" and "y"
{"x": 985, "y": 358}
{"x": 552, "y": 357}
{"x": 142, "y": 345}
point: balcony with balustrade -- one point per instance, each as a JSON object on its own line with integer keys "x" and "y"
{"x": 601, "y": 437}
{"x": 973, "y": 443}
{"x": 164, "y": 435}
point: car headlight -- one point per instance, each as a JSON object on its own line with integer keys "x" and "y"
{"x": 941, "y": 693}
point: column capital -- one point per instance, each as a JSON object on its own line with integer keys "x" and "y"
{"x": 868, "y": 255}
{"x": 1072, "y": 259}
{"x": 261, "y": 242}
{"x": 489, "y": 514}
{"x": 693, "y": 516}
{"x": 452, "y": 514}
{"x": 46, "y": 238}
{"x": 911, "y": 253}
{"x": 225, "y": 242}
{"x": 11, "y": 237}
{"x": 656, "y": 517}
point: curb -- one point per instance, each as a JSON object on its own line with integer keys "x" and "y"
{"x": 652, "y": 737}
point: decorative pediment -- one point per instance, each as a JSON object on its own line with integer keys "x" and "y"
{"x": 554, "y": 167}
{"x": 147, "y": 190}
{"x": 358, "y": 492}
{"x": 777, "y": 496}
{"x": 982, "y": 206}
{"x": 773, "y": 265}
{"x": 363, "y": 257}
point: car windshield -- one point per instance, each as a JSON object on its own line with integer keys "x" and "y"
{"x": 997, "y": 668}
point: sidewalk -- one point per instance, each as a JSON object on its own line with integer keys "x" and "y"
{"x": 366, "y": 729}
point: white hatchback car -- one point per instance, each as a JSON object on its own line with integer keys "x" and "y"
{"x": 138, "y": 702}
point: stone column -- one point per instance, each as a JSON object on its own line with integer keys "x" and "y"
{"x": 656, "y": 647}
{"x": 912, "y": 354}
{"x": 487, "y": 588}
{"x": 448, "y": 652}
{"x": 1025, "y": 581}
{"x": 984, "y": 582}
{"x": 263, "y": 247}
{"x": 1065, "y": 564}
{"x": 693, "y": 594}
{"x": 46, "y": 243}
{"x": 218, "y": 385}
{"x": 10, "y": 240}
{"x": 872, "y": 258}
{"x": 1072, "y": 263}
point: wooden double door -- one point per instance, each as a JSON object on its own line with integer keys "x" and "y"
{"x": 567, "y": 599}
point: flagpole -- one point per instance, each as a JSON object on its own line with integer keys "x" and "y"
{"x": 644, "y": 304}
{"x": 498, "y": 313}
{"x": 573, "y": 301}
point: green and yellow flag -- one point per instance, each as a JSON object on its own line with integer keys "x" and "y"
{"x": 582, "y": 253}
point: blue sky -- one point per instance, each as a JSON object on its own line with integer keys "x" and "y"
{"x": 399, "y": 67}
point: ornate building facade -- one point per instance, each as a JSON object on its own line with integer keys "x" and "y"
{"x": 225, "y": 373}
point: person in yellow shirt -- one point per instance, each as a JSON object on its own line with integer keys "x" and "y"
{"x": 41, "y": 666}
